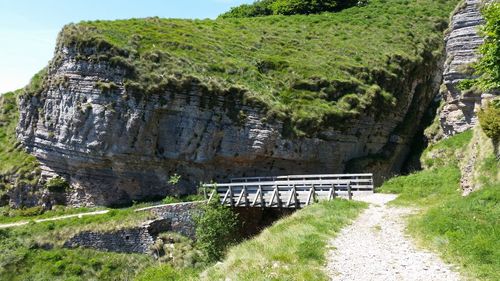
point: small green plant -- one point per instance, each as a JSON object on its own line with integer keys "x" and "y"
{"x": 489, "y": 119}
{"x": 174, "y": 179}
{"x": 216, "y": 227}
{"x": 57, "y": 184}
{"x": 28, "y": 212}
{"x": 171, "y": 200}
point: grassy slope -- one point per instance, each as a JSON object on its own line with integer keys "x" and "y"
{"x": 23, "y": 255}
{"x": 464, "y": 229}
{"x": 310, "y": 68}
{"x": 292, "y": 249}
{"x": 13, "y": 159}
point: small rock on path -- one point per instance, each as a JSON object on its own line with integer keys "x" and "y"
{"x": 375, "y": 247}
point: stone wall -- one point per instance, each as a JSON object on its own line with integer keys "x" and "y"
{"x": 128, "y": 240}
{"x": 170, "y": 218}
{"x": 179, "y": 216}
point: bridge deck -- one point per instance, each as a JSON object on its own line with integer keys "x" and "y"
{"x": 287, "y": 191}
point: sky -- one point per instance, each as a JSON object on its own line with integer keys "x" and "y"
{"x": 28, "y": 28}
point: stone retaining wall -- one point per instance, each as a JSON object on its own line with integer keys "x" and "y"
{"x": 169, "y": 218}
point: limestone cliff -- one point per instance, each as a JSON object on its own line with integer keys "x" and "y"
{"x": 126, "y": 104}
{"x": 114, "y": 147}
{"x": 462, "y": 44}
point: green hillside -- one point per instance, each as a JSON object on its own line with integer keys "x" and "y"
{"x": 309, "y": 70}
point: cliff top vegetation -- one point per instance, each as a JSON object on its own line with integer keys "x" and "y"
{"x": 310, "y": 71}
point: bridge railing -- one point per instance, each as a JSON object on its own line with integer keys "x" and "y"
{"x": 287, "y": 193}
{"x": 359, "y": 182}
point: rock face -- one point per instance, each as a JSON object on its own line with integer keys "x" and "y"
{"x": 462, "y": 43}
{"x": 113, "y": 146}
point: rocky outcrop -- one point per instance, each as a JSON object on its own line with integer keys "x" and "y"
{"x": 462, "y": 44}
{"x": 114, "y": 146}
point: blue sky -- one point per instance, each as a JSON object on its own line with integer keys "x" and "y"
{"x": 28, "y": 28}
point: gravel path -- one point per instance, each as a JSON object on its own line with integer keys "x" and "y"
{"x": 375, "y": 247}
{"x": 14, "y": 224}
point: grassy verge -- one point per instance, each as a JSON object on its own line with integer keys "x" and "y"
{"x": 464, "y": 230}
{"x": 294, "y": 248}
{"x": 8, "y": 215}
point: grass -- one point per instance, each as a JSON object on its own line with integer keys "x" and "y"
{"x": 464, "y": 230}
{"x": 294, "y": 248}
{"x": 34, "y": 251}
{"x": 23, "y": 263}
{"x": 16, "y": 166}
{"x": 310, "y": 71}
{"x": 8, "y": 215}
{"x": 165, "y": 272}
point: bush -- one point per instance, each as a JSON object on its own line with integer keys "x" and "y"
{"x": 177, "y": 250}
{"x": 259, "y": 8}
{"x": 29, "y": 212}
{"x": 57, "y": 184}
{"x": 489, "y": 119}
{"x": 215, "y": 230}
{"x": 289, "y": 7}
{"x": 293, "y": 7}
{"x": 171, "y": 200}
{"x": 489, "y": 64}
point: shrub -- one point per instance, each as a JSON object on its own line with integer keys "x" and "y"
{"x": 29, "y": 212}
{"x": 489, "y": 64}
{"x": 259, "y": 8}
{"x": 177, "y": 250}
{"x": 57, "y": 184}
{"x": 171, "y": 200}
{"x": 289, "y": 7}
{"x": 293, "y": 7}
{"x": 489, "y": 119}
{"x": 215, "y": 230}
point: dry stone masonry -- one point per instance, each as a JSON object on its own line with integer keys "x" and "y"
{"x": 169, "y": 218}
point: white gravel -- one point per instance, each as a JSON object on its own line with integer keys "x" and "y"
{"x": 375, "y": 247}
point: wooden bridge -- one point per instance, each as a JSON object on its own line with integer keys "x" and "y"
{"x": 293, "y": 191}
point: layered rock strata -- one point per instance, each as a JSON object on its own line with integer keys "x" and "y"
{"x": 114, "y": 146}
{"x": 462, "y": 44}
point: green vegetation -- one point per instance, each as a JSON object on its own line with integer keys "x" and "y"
{"x": 57, "y": 184}
{"x": 289, "y": 7}
{"x": 34, "y": 251}
{"x": 489, "y": 64}
{"x": 489, "y": 119}
{"x": 165, "y": 272}
{"x": 215, "y": 230}
{"x": 463, "y": 229}
{"x": 310, "y": 71}
{"x": 184, "y": 254}
{"x": 294, "y": 248}
{"x": 9, "y": 215}
{"x": 16, "y": 166}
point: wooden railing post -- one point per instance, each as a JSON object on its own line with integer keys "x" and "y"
{"x": 349, "y": 190}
